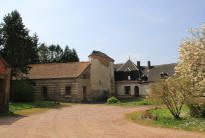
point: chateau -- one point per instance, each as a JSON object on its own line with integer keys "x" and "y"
{"x": 94, "y": 80}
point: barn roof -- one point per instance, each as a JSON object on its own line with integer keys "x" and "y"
{"x": 57, "y": 70}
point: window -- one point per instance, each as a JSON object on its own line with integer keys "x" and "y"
{"x": 68, "y": 90}
{"x": 129, "y": 77}
{"x": 127, "y": 89}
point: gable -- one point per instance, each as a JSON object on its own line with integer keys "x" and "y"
{"x": 128, "y": 66}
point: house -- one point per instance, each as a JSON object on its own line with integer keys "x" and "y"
{"x": 74, "y": 81}
{"x": 94, "y": 80}
{"x": 5, "y": 72}
{"x": 134, "y": 80}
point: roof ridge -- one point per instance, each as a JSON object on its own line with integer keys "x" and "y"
{"x": 60, "y": 63}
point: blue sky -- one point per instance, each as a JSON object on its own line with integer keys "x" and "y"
{"x": 140, "y": 29}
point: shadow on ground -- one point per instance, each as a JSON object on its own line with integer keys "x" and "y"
{"x": 9, "y": 118}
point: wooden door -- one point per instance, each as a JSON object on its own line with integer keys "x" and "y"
{"x": 84, "y": 93}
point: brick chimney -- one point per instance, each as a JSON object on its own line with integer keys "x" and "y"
{"x": 138, "y": 64}
{"x": 149, "y": 64}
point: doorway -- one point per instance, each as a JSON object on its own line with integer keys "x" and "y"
{"x": 137, "y": 91}
{"x": 84, "y": 93}
{"x": 45, "y": 93}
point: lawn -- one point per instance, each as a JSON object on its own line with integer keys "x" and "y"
{"x": 132, "y": 102}
{"x": 166, "y": 120}
{"x": 34, "y": 107}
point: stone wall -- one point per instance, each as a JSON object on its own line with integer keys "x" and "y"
{"x": 56, "y": 89}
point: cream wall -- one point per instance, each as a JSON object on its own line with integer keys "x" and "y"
{"x": 101, "y": 75}
{"x": 143, "y": 88}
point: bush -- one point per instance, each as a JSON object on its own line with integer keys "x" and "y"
{"x": 112, "y": 100}
{"x": 196, "y": 107}
{"x": 22, "y": 91}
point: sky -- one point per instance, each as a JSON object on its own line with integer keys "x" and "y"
{"x": 141, "y": 30}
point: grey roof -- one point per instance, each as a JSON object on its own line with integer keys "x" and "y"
{"x": 98, "y": 53}
{"x": 128, "y": 66}
{"x": 153, "y": 74}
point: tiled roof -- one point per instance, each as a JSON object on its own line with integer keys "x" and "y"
{"x": 57, "y": 70}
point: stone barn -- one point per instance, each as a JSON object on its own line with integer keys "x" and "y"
{"x": 5, "y": 72}
{"x": 74, "y": 81}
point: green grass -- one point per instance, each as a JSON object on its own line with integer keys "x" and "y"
{"x": 132, "y": 102}
{"x": 33, "y": 107}
{"x": 166, "y": 120}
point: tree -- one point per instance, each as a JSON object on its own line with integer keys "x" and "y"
{"x": 17, "y": 47}
{"x": 192, "y": 60}
{"x": 69, "y": 55}
{"x": 50, "y": 54}
{"x": 58, "y": 53}
{"x": 43, "y": 53}
{"x": 173, "y": 92}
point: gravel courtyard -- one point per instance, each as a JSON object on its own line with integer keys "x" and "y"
{"x": 85, "y": 121}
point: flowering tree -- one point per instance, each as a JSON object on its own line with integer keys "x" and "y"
{"x": 192, "y": 60}
{"x": 189, "y": 78}
{"x": 173, "y": 92}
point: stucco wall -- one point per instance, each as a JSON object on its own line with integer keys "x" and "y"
{"x": 145, "y": 89}
{"x": 101, "y": 75}
{"x": 120, "y": 88}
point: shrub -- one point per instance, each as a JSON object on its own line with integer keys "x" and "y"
{"x": 196, "y": 107}
{"x": 112, "y": 100}
{"x": 22, "y": 91}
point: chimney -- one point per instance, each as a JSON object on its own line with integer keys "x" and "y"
{"x": 138, "y": 64}
{"x": 148, "y": 64}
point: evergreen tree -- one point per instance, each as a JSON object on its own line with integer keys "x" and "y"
{"x": 74, "y": 56}
{"x": 17, "y": 47}
{"x": 43, "y": 53}
{"x": 66, "y": 55}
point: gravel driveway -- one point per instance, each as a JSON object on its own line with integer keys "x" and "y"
{"x": 85, "y": 121}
